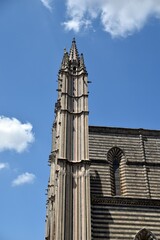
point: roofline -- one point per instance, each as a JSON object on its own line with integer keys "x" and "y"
{"x": 120, "y": 130}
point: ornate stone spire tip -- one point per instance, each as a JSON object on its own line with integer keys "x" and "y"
{"x": 73, "y": 56}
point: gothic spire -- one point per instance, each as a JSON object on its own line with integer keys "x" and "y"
{"x": 74, "y": 56}
{"x": 65, "y": 59}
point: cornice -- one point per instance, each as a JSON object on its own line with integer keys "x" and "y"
{"x": 124, "y": 201}
{"x": 124, "y": 131}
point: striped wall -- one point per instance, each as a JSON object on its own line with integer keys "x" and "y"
{"x": 140, "y": 181}
{"x": 123, "y": 222}
{"x": 140, "y": 166}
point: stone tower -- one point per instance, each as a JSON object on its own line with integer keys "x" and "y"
{"x": 68, "y": 204}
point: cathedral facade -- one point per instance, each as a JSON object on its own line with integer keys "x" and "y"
{"x": 104, "y": 182}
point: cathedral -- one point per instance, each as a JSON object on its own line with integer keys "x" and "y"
{"x": 104, "y": 181}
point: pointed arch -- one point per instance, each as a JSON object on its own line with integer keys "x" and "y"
{"x": 145, "y": 234}
{"x": 114, "y": 157}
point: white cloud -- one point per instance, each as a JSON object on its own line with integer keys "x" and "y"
{"x": 3, "y": 165}
{"x": 76, "y": 24}
{"x": 47, "y": 4}
{"x": 23, "y": 179}
{"x": 118, "y": 17}
{"x": 15, "y": 135}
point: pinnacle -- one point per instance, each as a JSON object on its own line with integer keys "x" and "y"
{"x": 73, "y": 56}
{"x": 82, "y": 64}
{"x": 65, "y": 59}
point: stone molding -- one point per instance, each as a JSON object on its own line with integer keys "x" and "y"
{"x": 124, "y": 131}
{"x": 119, "y": 201}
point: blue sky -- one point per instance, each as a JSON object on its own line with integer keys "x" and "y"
{"x": 120, "y": 41}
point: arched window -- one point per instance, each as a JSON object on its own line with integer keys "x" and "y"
{"x": 116, "y": 177}
{"x": 114, "y": 156}
{"x": 145, "y": 234}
